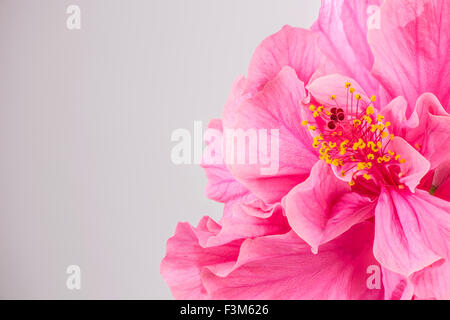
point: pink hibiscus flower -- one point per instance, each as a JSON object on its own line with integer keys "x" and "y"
{"x": 363, "y": 182}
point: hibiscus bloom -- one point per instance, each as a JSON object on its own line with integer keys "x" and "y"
{"x": 363, "y": 179}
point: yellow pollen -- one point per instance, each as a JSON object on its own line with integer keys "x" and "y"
{"x": 312, "y": 107}
{"x": 361, "y": 166}
{"x": 373, "y": 98}
{"x": 304, "y": 123}
{"x": 367, "y": 176}
{"x": 367, "y": 119}
{"x": 370, "y": 110}
{"x": 348, "y": 85}
{"x": 352, "y": 183}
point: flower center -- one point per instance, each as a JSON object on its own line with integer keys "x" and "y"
{"x": 355, "y": 139}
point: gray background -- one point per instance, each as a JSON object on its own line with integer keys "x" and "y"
{"x": 85, "y": 125}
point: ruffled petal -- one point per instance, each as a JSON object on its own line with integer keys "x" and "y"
{"x": 427, "y": 129}
{"x": 186, "y": 257}
{"x": 283, "y": 268}
{"x": 246, "y": 218}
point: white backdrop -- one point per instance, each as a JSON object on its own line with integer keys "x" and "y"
{"x": 86, "y": 118}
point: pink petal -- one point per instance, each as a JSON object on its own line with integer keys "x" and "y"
{"x": 427, "y": 129}
{"x": 243, "y": 220}
{"x": 343, "y": 27}
{"x": 433, "y": 130}
{"x": 395, "y": 113}
{"x": 415, "y": 166}
{"x": 276, "y": 107}
{"x": 412, "y": 231}
{"x": 433, "y": 282}
{"x": 185, "y": 258}
{"x": 283, "y": 268}
{"x": 396, "y": 286}
{"x": 323, "y": 207}
{"x": 324, "y": 87}
{"x": 293, "y": 47}
{"x": 412, "y": 49}
{"x": 222, "y": 186}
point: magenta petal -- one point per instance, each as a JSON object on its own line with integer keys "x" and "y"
{"x": 283, "y": 267}
{"x": 292, "y": 47}
{"x": 412, "y": 231}
{"x": 441, "y": 181}
{"x": 323, "y": 207}
{"x": 186, "y": 257}
{"x": 412, "y": 49}
{"x": 276, "y": 111}
{"x": 443, "y": 190}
